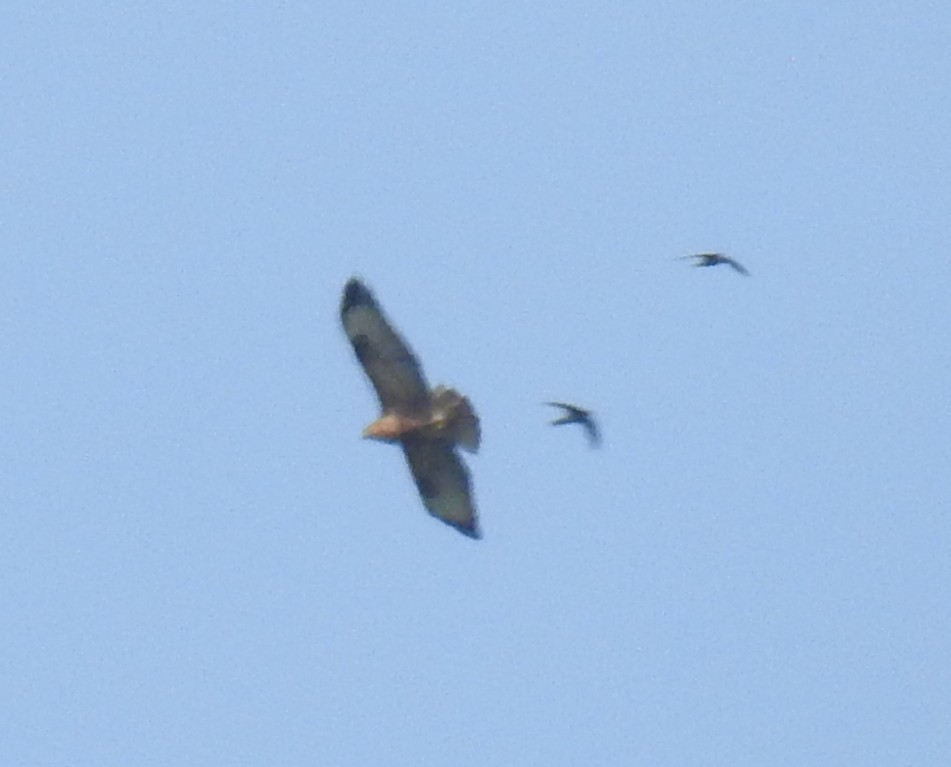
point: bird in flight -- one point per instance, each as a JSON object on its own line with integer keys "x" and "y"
{"x": 428, "y": 424}
{"x": 575, "y": 414}
{"x": 715, "y": 259}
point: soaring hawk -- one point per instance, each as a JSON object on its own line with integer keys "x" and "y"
{"x": 428, "y": 424}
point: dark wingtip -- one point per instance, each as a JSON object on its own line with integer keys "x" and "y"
{"x": 355, "y": 293}
{"x": 471, "y": 531}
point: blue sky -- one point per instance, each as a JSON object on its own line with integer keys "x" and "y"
{"x": 203, "y": 563}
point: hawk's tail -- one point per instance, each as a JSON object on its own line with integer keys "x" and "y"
{"x": 460, "y": 419}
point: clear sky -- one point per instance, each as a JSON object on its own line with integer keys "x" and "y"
{"x": 203, "y": 564}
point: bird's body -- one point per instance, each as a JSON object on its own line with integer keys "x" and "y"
{"x": 449, "y": 417}
{"x": 715, "y": 259}
{"x": 575, "y": 414}
{"x": 428, "y": 424}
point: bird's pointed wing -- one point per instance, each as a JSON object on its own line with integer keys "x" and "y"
{"x": 443, "y": 483}
{"x": 737, "y": 266}
{"x": 572, "y": 412}
{"x": 592, "y": 430}
{"x": 389, "y": 363}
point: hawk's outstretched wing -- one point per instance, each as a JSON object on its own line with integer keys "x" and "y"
{"x": 443, "y": 483}
{"x": 388, "y": 362}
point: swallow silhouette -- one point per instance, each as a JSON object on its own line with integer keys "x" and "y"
{"x": 715, "y": 259}
{"x": 575, "y": 414}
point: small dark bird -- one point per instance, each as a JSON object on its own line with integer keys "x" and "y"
{"x": 715, "y": 259}
{"x": 575, "y": 414}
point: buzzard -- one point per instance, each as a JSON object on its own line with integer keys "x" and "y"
{"x": 428, "y": 424}
{"x": 575, "y": 414}
{"x": 715, "y": 259}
